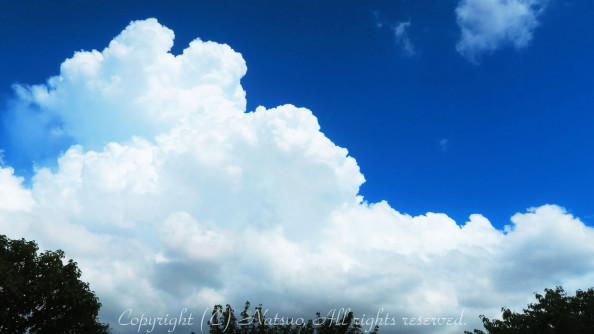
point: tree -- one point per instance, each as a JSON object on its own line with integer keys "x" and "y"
{"x": 555, "y": 312}
{"x": 40, "y": 294}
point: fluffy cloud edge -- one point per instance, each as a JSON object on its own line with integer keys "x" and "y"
{"x": 487, "y": 25}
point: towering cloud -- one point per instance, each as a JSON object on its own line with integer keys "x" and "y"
{"x": 174, "y": 196}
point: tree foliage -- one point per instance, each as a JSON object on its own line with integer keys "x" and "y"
{"x": 40, "y": 294}
{"x": 224, "y": 321}
{"x": 553, "y": 313}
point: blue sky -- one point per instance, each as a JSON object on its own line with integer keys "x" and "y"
{"x": 460, "y": 115}
{"x": 518, "y": 124}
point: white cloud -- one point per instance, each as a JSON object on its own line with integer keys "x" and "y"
{"x": 13, "y": 197}
{"x": 193, "y": 202}
{"x": 99, "y": 96}
{"x": 487, "y": 25}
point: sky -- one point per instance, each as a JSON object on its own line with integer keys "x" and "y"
{"x": 426, "y": 157}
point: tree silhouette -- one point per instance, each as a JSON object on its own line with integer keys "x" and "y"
{"x": 553, "y": 313}
{"x": 40, "y": 294}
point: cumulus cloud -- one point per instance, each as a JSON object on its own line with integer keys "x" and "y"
{"x": 187, "y": 200}
{"x": 487, "y": 25}
{"x": 13, "y": 197}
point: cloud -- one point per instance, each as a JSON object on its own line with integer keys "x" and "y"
{"x": 400, "y": 33}
{"x": 99, "y": 96}
{"x": 13, "y": 197}
{"x": 487, "y": 25}
{"x": 402, "y": 38}
{"x": 378, "y": 23}
{"x": 443, "y": 143}
{"x": 190, "y": 201}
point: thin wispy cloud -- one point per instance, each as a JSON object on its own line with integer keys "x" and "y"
{"x": 443, "y": 143}
{"x": 378, "y": 22}
{"x": 174, "y": 195}
{"x": 400, "y": 30}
